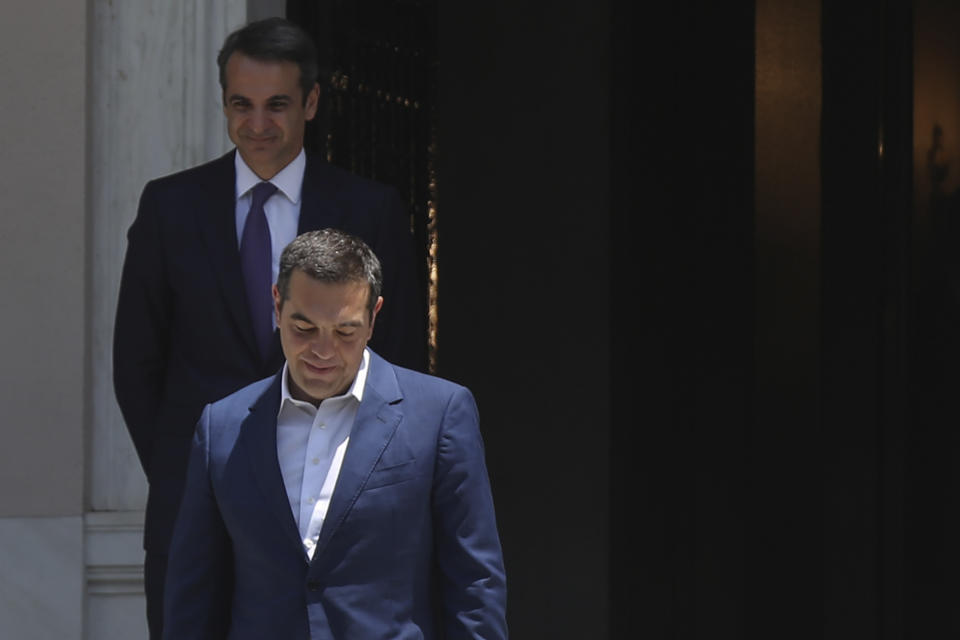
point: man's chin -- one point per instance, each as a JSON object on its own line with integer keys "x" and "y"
{"x": 260, "y": 154}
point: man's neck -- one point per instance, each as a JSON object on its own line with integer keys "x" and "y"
{"x": 265, "y": 172}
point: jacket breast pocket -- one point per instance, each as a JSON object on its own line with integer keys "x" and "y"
{"x": 394, "y": 474}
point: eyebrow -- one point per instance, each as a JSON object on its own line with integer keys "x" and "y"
{"x": 296, "y": 315}
{"x": 280, "y": 97}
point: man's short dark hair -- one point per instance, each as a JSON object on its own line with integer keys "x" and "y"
{"x": 273, "y": 40}
{"x": 334, "y": 257}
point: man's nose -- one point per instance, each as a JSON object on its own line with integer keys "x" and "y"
{"x": 322, "y": 345}
{"x": 259, "y": 120}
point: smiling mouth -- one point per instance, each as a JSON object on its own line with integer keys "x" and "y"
{"x": 315, "y": 369}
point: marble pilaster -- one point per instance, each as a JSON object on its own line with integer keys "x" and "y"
{"x": 155, "y": 109}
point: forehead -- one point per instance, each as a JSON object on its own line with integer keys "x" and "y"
{"x": 254, "y": 78}
{"x": 331, "y": 301}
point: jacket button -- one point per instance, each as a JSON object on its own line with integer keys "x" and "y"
{"x": 313, "y": 585}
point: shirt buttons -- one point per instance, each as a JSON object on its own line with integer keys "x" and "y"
{"x": 315, "y": 461}
{"x": 322, "y": 425}
{"x": 311, "y": 500}
{"x": 308, "y": 543}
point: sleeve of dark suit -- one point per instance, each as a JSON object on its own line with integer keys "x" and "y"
{"x": 400, "y": 333}
{"x": 141, "y": 329}
{"x": 469, "y": 557}
{"x": 199, "y": 582}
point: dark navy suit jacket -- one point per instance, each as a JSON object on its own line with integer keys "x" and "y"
{"x": 183, "y": 336}
{"x": 409, "y": 547}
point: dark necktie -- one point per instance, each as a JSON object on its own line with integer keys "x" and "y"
{"x": 255, "y": 259}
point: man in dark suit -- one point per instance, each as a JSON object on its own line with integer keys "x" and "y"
{"x": 194, "y": 316}
{"x": 343, "y": 497}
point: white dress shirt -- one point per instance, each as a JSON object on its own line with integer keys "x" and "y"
{"x": 311, "y": 443}
{"x": 282, "y": 208}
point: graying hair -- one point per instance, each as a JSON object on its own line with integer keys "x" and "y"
{"x": 334, "y": 257}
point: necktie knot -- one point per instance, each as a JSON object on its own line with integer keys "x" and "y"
{"x": 261, "y": 193}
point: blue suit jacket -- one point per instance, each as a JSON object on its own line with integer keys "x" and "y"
{"x": 183, "y": 336}
{"x": 409, "y": 547}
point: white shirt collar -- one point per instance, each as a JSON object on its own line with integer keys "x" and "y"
{"x": 288, "y": 181}
{"x": 355, "y": 390}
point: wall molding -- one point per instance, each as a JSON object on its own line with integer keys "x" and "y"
{"x": 113, "y": 553}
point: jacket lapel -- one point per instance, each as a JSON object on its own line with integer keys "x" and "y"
{"x": 374, "y": 427}
{"x": 259, "y": 437}
{"x": 216, "y": 204}
{"x": 320, "y": 206}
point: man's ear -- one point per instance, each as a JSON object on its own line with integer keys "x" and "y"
{"x": 376, "y": 310}
{"x": 277, "y": 303}
{"x": 313, "y": 99}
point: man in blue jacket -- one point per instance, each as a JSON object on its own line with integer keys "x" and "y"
{"x": 344, "y": 497}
